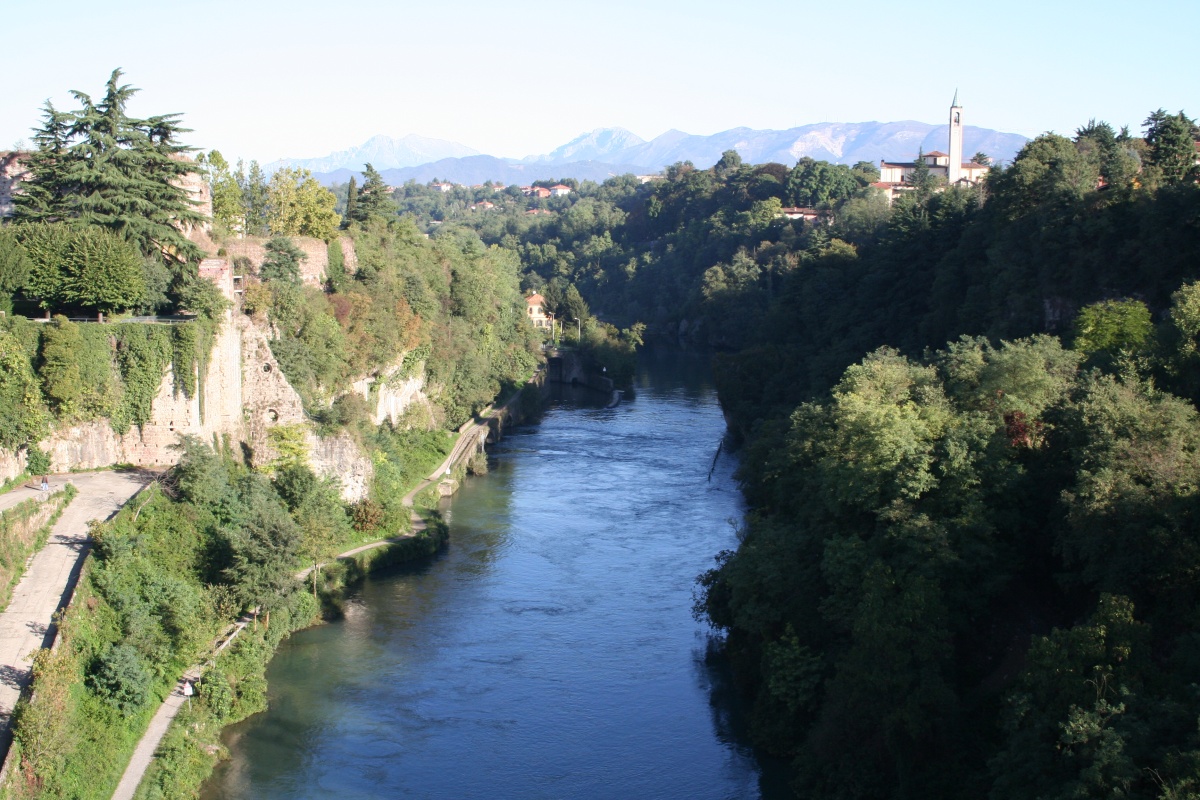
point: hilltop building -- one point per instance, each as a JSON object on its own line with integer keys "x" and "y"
{"x": 894, "y": 176}
{"x": 12, "y": 174}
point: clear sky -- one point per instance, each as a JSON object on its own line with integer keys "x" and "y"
{"x": 265, "y": 79}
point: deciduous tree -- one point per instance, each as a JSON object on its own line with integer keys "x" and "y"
{"x": 298, "y": 205}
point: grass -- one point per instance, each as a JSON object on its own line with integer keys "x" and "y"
{"x": 22, "y": 534}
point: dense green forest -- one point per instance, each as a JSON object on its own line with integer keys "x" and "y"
{"x": 971, "y": 449}
{"x": 970, "y": 565}
{"x": 969, "y": 426}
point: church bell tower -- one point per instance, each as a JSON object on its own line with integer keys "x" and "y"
{"x": 954, "y": 171}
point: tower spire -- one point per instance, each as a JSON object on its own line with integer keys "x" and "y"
{"x": 954, "y": 170}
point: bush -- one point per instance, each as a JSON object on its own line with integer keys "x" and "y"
{"x": 36, "y": 462}
{"x": 217, "y": 694}
{"x": 121, "y": 679}
{"x": 367, "y": 515}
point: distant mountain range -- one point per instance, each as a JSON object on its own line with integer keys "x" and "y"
{"x": 605, "y": 152}
{"x": 382, "y": 152}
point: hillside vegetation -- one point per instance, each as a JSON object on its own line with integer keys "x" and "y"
{"x": 971, "y": 450}
{"x": 99, "y": 233}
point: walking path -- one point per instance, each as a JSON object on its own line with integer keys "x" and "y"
{"x": 148, "y": 744}
{"x": 26, "y": 491}
{"x": 469, "y": 435}
{"x": 466, "y": 437}
{"x": 49, "y": 579}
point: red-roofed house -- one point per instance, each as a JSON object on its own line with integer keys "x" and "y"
{"x": 535, "y": 306}
{"x": 560, "y": 190}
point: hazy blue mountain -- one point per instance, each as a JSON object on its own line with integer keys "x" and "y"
{"x": 474, "y": 170}
{"x": 840, "y": 142}
{"x": 381, "y": 152}
{"x": 604, "y": 152}
{"x": 598, "y": 145}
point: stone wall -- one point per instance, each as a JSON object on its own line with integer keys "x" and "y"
{"x": 12, "y": 172}
{"x": 340, "y": 457}
{"x": 312, "y": 268}
{"x": 393, "y": 395}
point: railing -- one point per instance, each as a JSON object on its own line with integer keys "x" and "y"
{"x": 148, "y": 320}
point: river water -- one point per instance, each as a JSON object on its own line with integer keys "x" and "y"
{"x": 549, "y": 651}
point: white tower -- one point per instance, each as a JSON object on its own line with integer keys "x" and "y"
{"x": 954, "y": 172}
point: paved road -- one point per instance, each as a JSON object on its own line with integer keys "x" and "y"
{"x": 50, "y": 578}
{"x": 26, "y": 491}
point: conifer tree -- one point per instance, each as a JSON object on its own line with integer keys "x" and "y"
{"x": 373, "y": 200}
{"x": 100, "y": 166}
{"x": 351, "y": 202}
{"x": 1171, "y": 138}
{"x": 254, "y": 199}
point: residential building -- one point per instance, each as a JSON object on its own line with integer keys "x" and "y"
{"x": 535, "y": 306}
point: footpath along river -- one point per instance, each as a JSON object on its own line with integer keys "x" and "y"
{"x": 549, "y": 651}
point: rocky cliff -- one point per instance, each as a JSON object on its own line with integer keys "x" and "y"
{"x": 242, "y": 395}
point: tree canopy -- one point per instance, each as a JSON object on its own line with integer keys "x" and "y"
{"x": 99, "y": 166}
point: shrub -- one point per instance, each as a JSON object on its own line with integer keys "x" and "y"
{"x": 121, "y": 679}
{"x": 217, "y": 694}
{"x": 367, "y": 515}
{"x": 36, "y": 462}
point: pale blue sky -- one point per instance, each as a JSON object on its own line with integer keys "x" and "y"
{"x": 265, "y": 79}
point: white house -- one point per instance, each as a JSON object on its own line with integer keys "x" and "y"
{"x": 535, "y": 307}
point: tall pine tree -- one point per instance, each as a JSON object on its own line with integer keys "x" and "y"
{"x": 100, "y": 166}
{"x": 374, "y": 200}
{"x": 254, "y": 199}
{"x": 351, "y": 202}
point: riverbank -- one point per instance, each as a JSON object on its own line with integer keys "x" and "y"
{"x": 552, "y": 640}
{"x": 185, "y": 737}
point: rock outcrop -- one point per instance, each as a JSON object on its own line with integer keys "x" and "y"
{"x": 242, "y": 395}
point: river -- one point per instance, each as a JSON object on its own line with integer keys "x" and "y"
{"x": 549, "y": 651}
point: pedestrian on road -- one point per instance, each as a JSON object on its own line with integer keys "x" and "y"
{"x": 45, "y": 484}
